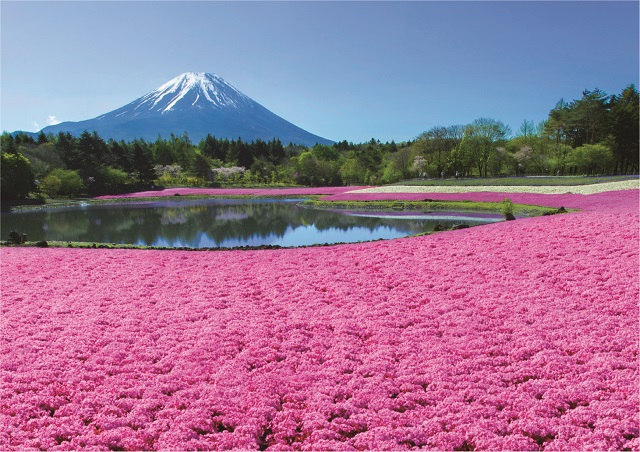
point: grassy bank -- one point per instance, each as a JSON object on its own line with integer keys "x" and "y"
{"x": 428, "y": 206}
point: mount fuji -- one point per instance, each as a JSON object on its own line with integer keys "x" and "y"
{"x": 197, "y": 103}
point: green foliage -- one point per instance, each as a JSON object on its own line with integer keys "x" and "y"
{"x": 325, "y": 152}
{"x": 582, "y": 121}
{"x": 17, "y": 179}
{"x": 201, "y": 166}
{"x": 501, "y": 162}
{"x": 70, "y": 182}
{"x": 121, "y": 156}
{"x": 311, "y": 170}
{"x": 8, "y": 143}
{"x": 181, "y": 149}
{"x": 598, "y": 118}
{"x": 195, "y": 181}
{"x": 436, "y": 146}
{"x": 484, "y": 136}
{"x": 213, "y": 148}
{"x": 591, "y": 159}
{"x": 91, "y": 156}
{"x": 162, "y": 153}
{"x": 391, "y": 173}
{"x": 351, "y": 172}
{"x": 42, "y": 138}
{"x": 307, "y": 165}
{"x": 596, "y": 134}
{"x": 143, "y": 162}
{"x": 402, "y": 162}
{"x": 167, "y": 180}
{"x": 369, "y": 158}
{"x": 51, "y": 186}
{"x": 462, "y": 157}
{"x": 506, "y": 208}
{"x": 264, "y": 172}
{"x": 43, "y": 158}
{"x": 66, "y": 146}
{"x": 625, "y": 128}
{"x": 114, "y": 179}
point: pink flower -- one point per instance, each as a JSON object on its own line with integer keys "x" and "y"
{"x": 302, "y": 191}
{"x": 516, "y": 335}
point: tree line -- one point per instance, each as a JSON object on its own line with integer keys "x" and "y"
{"x": 596, "y": 134}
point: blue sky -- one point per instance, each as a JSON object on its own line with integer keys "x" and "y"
{"x": 341, "y": 70}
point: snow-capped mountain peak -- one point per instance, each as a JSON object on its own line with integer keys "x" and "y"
{"x": 192, "y": 89}
{"x": 198, "y": 103}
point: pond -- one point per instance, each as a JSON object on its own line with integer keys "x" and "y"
{"x": 225, "y": 223}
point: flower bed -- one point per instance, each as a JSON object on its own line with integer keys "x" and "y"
{"x": 233, "y": 192}
{"x": 518, "y": 335}
{"x": 632, "y": 184}
{"x": 594, "y": 202}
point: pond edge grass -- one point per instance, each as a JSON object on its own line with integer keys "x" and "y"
{"x": 430, "y": 205}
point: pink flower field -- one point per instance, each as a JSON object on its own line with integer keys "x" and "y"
{"x": 517, "y": 335}
{"x": 234, "y": 192}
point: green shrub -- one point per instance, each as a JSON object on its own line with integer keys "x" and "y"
{"x": 195, "y": 182}
{"x": 506, "y": 209}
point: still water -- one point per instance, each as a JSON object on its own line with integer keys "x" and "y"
{"x": 223, "y": 223}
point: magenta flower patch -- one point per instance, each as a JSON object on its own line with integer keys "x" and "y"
{"x": 234, "y": 192}
{"x": 518, "y": 335}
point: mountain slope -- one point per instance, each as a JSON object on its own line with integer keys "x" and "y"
{"x": 198, "y": 103}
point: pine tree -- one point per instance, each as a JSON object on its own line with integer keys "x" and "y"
{"x": 143, "y": 163}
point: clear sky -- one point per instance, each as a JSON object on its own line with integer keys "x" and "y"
{"x": 342, "y": 70}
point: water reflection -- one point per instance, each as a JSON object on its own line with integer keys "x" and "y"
{"x": 221, "y": 223}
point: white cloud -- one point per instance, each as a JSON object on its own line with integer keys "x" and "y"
{"x": 36, "y": 125}
{"x": 52, "y": 121}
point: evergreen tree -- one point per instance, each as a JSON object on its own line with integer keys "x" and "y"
{"x": 23, "y": 139}
{"x": 163, "y": 153}
{"x": 121, "y": 154}
{"x": 245, "y": 154}
{"x": 625, "y": 127}
{"x": 583, "y": 121}
{"x": 181, "y": 149}
{"x": 259, "y": 150}
{"x": 93, "y": 153}
{"x": 212, "y": 148}
{"x": 66, "y": 147}
{"x": 8, "y": 143}
{"x": 232, "y": 153}
{"x": 201, "y": 166}
{"x": 276, "y": 151}
{"x": 143, "y": 162}
{"x": 42, "y": 138}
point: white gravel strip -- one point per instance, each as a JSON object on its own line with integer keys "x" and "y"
{"x": 543, "y": 189}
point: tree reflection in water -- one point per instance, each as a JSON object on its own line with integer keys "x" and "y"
{"x": 219, "y": 223}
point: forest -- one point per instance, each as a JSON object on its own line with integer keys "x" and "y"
{"x": 594, "y": 135}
